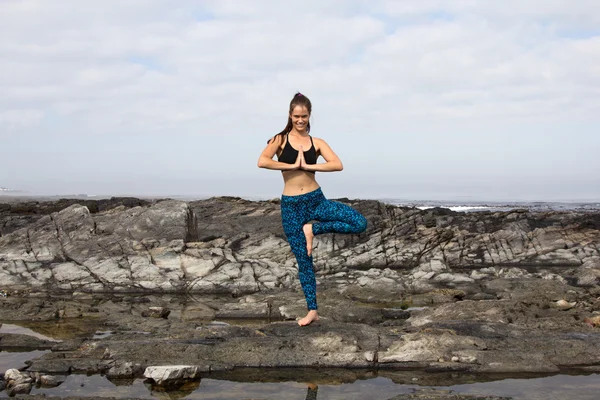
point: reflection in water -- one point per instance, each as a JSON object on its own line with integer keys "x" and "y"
{"x": 558, "y": 387}
{"x": 21, "y": 330}
{"x": 17, "y": 359}
{"x": 55, "y": 330}
{"x": 173, "y": 392}
{"x": 311, "y": 392}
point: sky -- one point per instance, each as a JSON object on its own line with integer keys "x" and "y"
{"x": 420, "y": 99}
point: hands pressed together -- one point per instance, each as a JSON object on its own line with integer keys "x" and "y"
{"x": 300, "y": 162}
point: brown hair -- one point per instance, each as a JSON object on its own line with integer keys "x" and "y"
{"x": 298, "y": 100}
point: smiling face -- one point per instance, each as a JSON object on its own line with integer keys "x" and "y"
{"x": 300, "y": 116}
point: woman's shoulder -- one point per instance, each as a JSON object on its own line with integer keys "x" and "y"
{"x": 277, "y": 139}
{"x": 318, "y": 142}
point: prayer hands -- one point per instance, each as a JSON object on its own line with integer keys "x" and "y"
{"x": 300, "y": 162}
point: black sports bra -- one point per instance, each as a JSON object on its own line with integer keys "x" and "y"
{"x": 289, "y": 154}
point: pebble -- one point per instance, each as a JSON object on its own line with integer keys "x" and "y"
{"x": 564, "y": 305}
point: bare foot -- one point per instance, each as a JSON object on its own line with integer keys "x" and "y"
{"x": 309, "y": 237}
{"x": 310, "y": 317}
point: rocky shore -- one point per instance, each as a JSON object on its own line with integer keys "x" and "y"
{"x": 231, "y": 245}
{"x": 212, "y": 285}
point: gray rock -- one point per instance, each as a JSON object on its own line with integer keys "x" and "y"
{"x": 231, "y": 245}
{"x": 194, "y": 312}
{"x": 394, "y": 313}
{"x": 156, "y": 312}
{"x": 125, "y": 370}
{"x": 12, "y": 341}
{"x": 14, "y": 376}
{"x": 243, "y": 311}
{"x": 19, "y": 388}
{"x": 51, "y": 380}
{"x": 18, "y": 382}
{"x": 170, "y": 374}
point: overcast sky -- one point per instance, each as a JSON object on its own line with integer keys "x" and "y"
{"x": 423, "y": 99}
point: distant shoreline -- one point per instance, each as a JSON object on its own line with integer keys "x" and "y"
{"x": 454, "y": 205}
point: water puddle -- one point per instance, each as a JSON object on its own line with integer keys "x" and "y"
{"x": 247, "y": 322}
{"x": 55, "y": 330}
{"x": 10, "y": 359}
{"x": 374, "y": 387}
{"x": 277, "y": 384}
{"x": 20, "y": 330}
{"x": 416, "y": 308}
{"x": 102, "y": 334}
{"x": 98, "y": 335}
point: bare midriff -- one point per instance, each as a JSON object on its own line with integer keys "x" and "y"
{"x": 298, "y": 182}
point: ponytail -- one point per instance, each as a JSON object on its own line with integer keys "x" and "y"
{"x": 284, "y": 132}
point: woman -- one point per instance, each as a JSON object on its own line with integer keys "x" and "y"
{"x": 302, "y": 200}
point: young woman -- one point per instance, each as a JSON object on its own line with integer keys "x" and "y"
{"x": 302, "y": 200}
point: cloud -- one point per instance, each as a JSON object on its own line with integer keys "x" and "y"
{"x": 201, "y": 70}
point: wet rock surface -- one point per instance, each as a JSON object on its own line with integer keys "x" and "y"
{"x": 17, "y": 342}
{"x": 460, "y": 295}
{"x": 432, "y": 394}
{"x": 18, "y": 382}
{"x": 519, "y": 331}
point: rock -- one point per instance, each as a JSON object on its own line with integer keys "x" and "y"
{"x": 592, "y": 321}
{"x": 395, "y": 313}
{"x": 515, "y": 331}
{"x": 12, "y": 341}
{"x": 19, "y": 388}
{"x": 427, "y": 348}
{"x": 51, "y": 380}
{"x": 484, "y": 289}
{"x": 196, "y": 312}
{"x": 18, "y": 382}
{"x": 124, "y": 370}
{"x": 230, "y": 245}
{"x": 156, "y": 312}
{"x": 172, "y": 374}
{"x": 243, "y": 311}
{"x": 12, "y": 376}
{"x": 564, "y": 305}
{"x": 452, "y": 278}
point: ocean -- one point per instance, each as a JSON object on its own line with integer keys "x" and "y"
{"x": 475, "y": 206}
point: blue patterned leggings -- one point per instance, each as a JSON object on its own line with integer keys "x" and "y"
{"x": 331, "y": 216}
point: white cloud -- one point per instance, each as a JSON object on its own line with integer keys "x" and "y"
{"x": 197, "y": 69}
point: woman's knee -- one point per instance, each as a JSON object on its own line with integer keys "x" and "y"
{"x": 361, "y": 223}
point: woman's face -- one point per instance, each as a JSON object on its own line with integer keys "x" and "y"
{"x": 299, "y": 116}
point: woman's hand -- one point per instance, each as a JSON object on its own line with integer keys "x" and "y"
{"x": 332, "y": 161}
{"x": 304, "y": 166}
{"x": 300, "y": 163}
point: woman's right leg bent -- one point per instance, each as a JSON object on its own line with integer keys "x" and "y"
{"x": 335, "y": 217}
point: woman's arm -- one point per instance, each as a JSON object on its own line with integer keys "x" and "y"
{"x": 332, "y": 161}
{"x": 266, "y": 157}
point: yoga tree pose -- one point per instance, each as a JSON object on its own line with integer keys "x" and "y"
{"x": 302, "y": 200}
